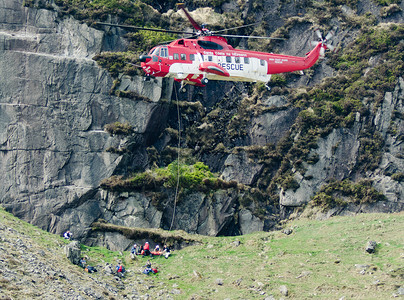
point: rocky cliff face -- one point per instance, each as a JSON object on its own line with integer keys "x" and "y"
{"x": 55, "y": 102}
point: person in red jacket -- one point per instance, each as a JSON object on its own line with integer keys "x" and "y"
{"x": 120, "y": 270}
{"x": 146, "y": 249}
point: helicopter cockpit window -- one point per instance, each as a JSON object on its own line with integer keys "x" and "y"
{"x": 209, "y": 45}
{"x": 262, "y": 62}
{"x": 246, "y": 60}
{"x": 228, "y": 59}
{"x": 183, "y": 56}
{"x": 164, "y": 52}
{"x": 155, "y": 58}
{"x": 192, "y": 57}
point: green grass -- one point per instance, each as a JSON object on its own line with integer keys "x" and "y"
{"x": 101, "y": 255}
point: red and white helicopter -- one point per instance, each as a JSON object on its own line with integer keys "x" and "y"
{"x": 208, "y": 56}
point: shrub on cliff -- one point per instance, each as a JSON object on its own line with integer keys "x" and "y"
{"x": 196, "y": 176}
{"x": 340, "y": 193}
{"x": 119, "y": 128}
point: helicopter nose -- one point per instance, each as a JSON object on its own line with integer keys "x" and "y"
{"x": 144, "y": 58}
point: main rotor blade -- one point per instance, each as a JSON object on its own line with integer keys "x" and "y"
{"x": 251, "y": 37}
{"x": 242, "y": 26}
{"x": 318, "y": 33}
{"x": 130, "y": 27}
{"x": 193, "y": 22}
{"x": 329, "y": 35}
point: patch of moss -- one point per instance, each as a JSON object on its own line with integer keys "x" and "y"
{"x": 340, "y": 193}
{"x": 119, "y": 128}
{"x": 118, "y": 63}
{"x": 131, "y": 95}
{"x": 188, "y": 177}
{"x": 370, "y": 150}
{"x": 144, "y": 40}
{"x": 141, "y": 181}
{"x": 390, "y": 10}
{"x": 398, "y": 177}
{"x": 387, "y": 2}
{"x": 288, "y": 181}
{"x": 128, "y": 12}
{"x": 115, "y": 150}
{"x": 380, "y": 42}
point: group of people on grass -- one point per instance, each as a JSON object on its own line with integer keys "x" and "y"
{"x": 145, "y": 250}
{"x": 86, "y": 267}
{"x": 120, "y": 269}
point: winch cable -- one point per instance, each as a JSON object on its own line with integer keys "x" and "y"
{"x": 178, "y": 164}
{"x": 178, "y": 157}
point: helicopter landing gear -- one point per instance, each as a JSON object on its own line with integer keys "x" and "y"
{"x": 147, "y": 78}
{"x": 204, "y": 81}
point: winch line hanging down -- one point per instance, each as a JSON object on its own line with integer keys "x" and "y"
{"x": 178, "y": 158}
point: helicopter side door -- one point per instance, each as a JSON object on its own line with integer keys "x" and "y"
{"x": 258, "y": 69}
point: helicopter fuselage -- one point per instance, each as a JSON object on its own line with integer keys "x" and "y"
{"x": 195, "y": 61}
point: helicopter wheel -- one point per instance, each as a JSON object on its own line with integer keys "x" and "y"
{"x": 204, "y": 81}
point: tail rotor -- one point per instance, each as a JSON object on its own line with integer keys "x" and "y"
{"x": 324, "y": 41}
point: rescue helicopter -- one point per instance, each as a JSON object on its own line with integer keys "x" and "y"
{"x": 207, "y": 55}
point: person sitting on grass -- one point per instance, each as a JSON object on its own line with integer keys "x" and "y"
{"x": 166, "y": 251}
{"x": 83, "y": 262}
{"x": 120, "y": 270}
{"x": 146, "y": 250}
{"x": 90, "y": 269}
{"x": 68, "y": 235}
{"x": 134, "y": 249}
{"x": 148, "y": 268}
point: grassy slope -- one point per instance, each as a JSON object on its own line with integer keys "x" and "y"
{"x": 316, "y": 261}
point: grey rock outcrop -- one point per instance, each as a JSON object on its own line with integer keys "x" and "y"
{"x": 271, "y": 126}
{"x": 73, "y": 252}
{"x": 371, "y": 247}
{"x": 338, "y": 154}
{"x": 238, "y": 167}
